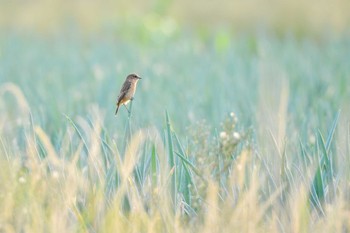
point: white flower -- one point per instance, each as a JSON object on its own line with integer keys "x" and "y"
{"x": 312, "y": 139}
{"x": 55, "y": 174}
{"x": 223, "y": 135}
{"x": 234, "y": 117}
{"x": 236, "y": 135}
{"x": 22, "y": 180}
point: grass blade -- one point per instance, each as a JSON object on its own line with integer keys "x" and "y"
{"x": 171, "y": 160}
{"x": 325, "y": 171}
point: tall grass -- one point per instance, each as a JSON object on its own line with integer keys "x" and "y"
{"x": 253, "y": 139}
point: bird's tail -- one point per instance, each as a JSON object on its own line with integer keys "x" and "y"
{"x": 116, "y": 111}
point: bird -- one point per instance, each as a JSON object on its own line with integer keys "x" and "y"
{"x": 127, "y": 92}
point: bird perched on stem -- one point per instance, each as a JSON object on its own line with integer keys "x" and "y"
{"x": 127, "y": 92}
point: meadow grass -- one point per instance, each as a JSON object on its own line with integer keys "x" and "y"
{"x": 227, "y": 134}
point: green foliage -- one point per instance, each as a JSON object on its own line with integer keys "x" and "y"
{"x": 238, "y": 149}
{"x": 325, "y": 173}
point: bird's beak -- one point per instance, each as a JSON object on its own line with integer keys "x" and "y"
{"x": 139, "y": 77}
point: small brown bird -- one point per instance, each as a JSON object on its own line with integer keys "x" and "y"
{"x": 127, "y": 92}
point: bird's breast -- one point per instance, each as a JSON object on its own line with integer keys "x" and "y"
{"x": 131, "y": 91}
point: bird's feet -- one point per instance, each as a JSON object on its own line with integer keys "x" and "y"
{"x": 127, "y": 108}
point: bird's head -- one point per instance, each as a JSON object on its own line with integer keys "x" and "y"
{"x": 133, "y": 77}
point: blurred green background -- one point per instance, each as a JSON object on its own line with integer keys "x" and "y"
{"x": 282, "y": 68}
{"x": 199, "y": 60}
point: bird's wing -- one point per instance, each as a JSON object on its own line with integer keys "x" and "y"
{"x": 123, "y": 91}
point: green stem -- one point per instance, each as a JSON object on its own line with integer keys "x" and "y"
{"x": 171, "y": 161}
{"x": 128, "y": 131}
